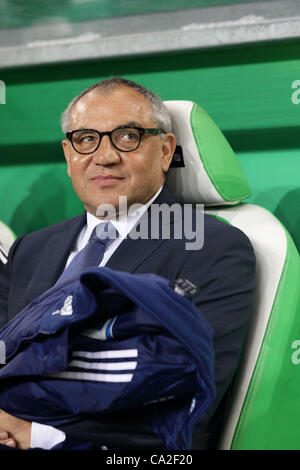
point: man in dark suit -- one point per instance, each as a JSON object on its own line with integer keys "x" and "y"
{"x": 131, "y": 161}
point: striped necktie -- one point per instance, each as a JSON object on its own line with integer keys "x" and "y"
{"x": 92, "y": 254}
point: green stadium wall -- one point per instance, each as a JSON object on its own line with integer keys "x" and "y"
{"x": 248, "y": 91}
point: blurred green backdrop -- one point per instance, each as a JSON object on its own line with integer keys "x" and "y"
{"x": 248, "y": 91}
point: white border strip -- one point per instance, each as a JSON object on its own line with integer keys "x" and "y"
{"x": 90, "y": 376}
{"x": 106, "y": 354}
{"x": 103, "y": 365}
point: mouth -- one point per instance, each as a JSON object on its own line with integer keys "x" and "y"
{"x": 106, "y": 180}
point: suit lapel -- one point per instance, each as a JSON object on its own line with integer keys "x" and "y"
{"x": 54, "y": 257}
{"x": 131, "y": 253}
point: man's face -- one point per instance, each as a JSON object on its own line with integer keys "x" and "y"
{"x": 103, "y": 176}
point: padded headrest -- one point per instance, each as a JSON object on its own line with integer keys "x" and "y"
{"x": 212, "y": 174}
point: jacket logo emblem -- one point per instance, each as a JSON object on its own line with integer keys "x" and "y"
{"x": 67, "y": 308}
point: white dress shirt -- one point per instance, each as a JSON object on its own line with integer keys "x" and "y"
{"x": 44, "y": 436}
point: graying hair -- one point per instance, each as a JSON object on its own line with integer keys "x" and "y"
{"x": 161, "y": 115}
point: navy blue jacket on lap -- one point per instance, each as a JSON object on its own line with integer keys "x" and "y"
{"x": 223, "y": 271}
{"x": 110, "y": 342}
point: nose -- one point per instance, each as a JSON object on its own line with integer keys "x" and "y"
{"x": 106, "y": 153}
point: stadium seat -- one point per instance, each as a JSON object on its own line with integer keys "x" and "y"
{"x": 264, "y": 411}
{"x": 7, "y": 237}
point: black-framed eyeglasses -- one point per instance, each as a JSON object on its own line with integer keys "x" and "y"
{"x": 123, "y": 138}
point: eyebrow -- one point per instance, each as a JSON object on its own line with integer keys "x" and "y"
{"x": 131, "y": 124}
{"x": 126, "y": 124}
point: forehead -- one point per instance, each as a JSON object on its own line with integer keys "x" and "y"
{"x": 109, "y": 109}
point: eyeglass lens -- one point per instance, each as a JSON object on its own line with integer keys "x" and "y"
{"x": 86, "y": 141}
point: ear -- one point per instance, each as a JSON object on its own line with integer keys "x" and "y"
{"x": 168, "y": 149}
{"x": 66, "y": 149}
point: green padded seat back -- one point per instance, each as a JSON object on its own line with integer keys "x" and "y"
{"x": 212, "y": 174}
{"x": 264, "y": 411}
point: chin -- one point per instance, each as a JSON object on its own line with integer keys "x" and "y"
{"x": 105, "y": 207}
